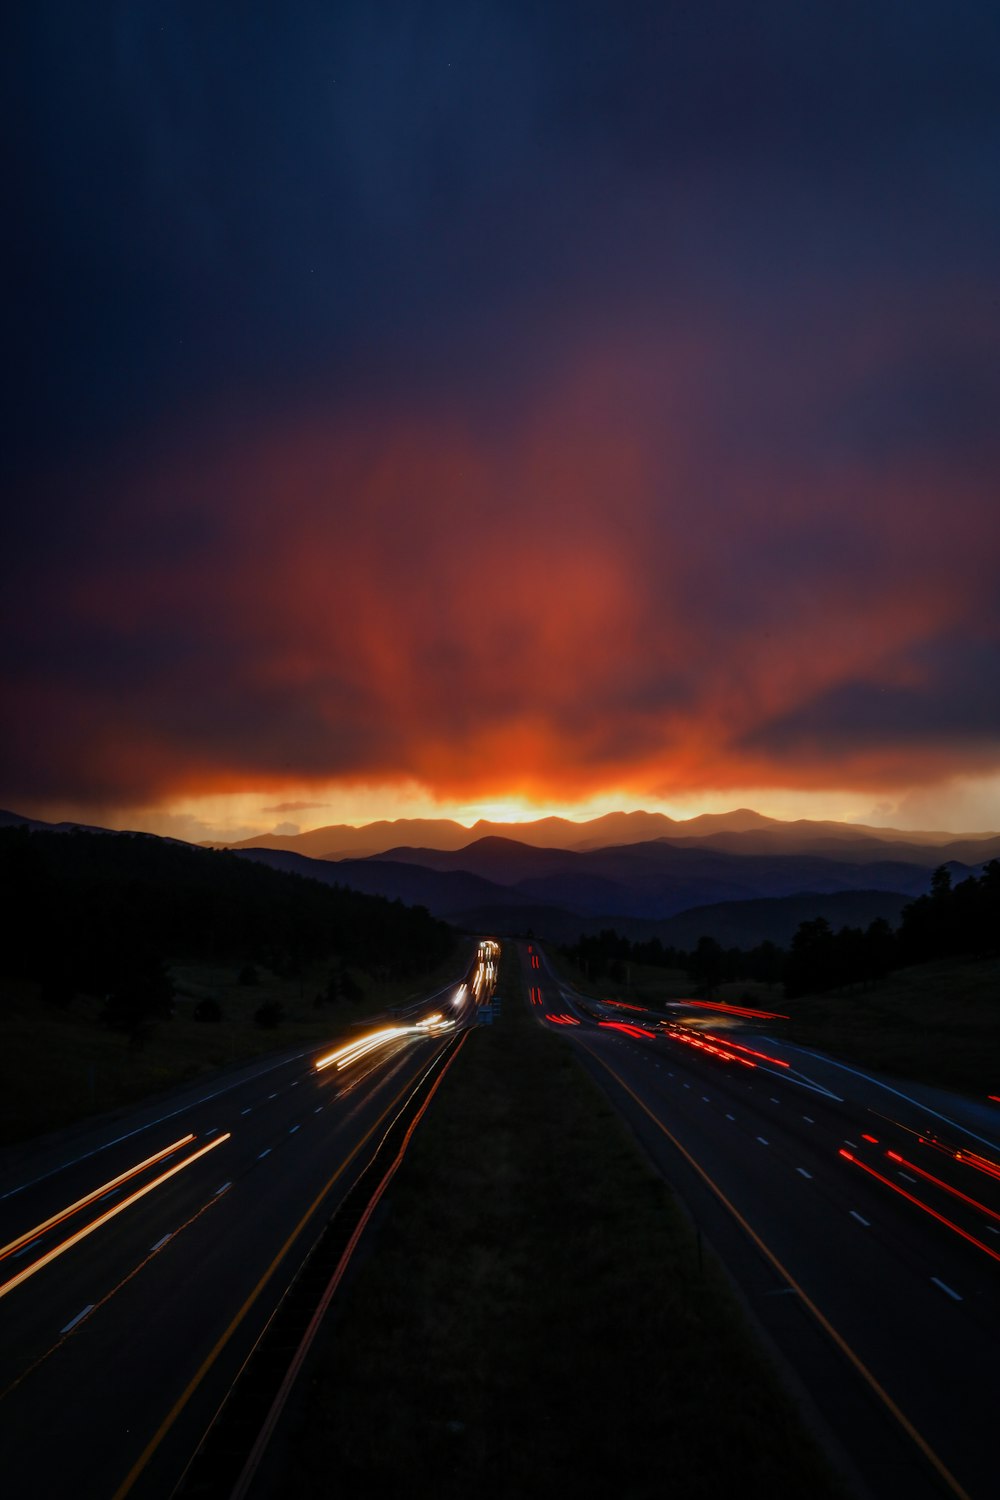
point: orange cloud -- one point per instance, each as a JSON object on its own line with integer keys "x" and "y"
{"x": 582, "y": 601}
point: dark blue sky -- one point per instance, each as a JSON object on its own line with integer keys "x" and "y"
{"x": 638, "y": 364}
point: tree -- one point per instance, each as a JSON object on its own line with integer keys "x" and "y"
{"x": 705, "y": 965}
{"x": 270, "y": 1014}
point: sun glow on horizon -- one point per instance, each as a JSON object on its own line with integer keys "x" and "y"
{"x": 963, "y": 805}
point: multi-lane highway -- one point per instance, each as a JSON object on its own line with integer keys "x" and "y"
{"x": 140, "y": 1259}
{"x": 858, "y": 1217}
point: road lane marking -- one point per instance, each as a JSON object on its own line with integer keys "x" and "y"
{"x": 318, "y": 1109}
{"x": 808, "y": 1119}
{"x": 946, "y": 1288}
{"x": 160, "y": 1243}
{"x": 266, "y": 1152}
{"x": 762, "y": 1140}
{"x": 942, "y": 1470}
{"x": 78, "y": 1319}
{"x": 731, "y": 1117}
{"x": 865, "y": 1222}
{"x": 803, "y": 1173}
{"x": 247, "y": 1111}
{"x": 272, "y": 1096}
{"x": 774, "y": 1100}
{"x": 906, "y": 1177}
{"x": 852, "y": 1144}
{"x": 705, "y": 1099}
{"x": 830, "y": 1062}
{"x": 245, "y": 1481}
{"x": 293, "y": 1129}
{"x": 86, "y": 1155}
{"x": 222, "y": 1341}
{"x": 223, "y": 1189}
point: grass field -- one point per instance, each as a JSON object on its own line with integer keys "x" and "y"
{"x": 59, "y": 1066}
{"x": 533, "y": 1319}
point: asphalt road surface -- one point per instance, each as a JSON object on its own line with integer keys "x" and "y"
{"x": 140, "y": 1260}
{"x": 858, "y": 1217}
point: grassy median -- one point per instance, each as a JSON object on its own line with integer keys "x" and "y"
{"x": 533, "y": 1318}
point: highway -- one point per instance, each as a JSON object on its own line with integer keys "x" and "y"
{"x": 141, "y": 1258}
{"x": 859, "y": 1219}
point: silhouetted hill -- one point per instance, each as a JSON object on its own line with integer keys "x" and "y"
{"x": 440, "y": 891}
{"x": 655, "y": 880}
{"x": 91, "y": 909}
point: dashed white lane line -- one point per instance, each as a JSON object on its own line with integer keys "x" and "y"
{"x": 160, "y": 1243}
{"x": 296, "y": 1083}
{"x": 803, "y": 1173}
{"x": 949, "y": 1291}
{"x": 687, "y": 1085}
{"x": 774, "y": 1100}
{"x": 853, "y": 1144}
{"x": 272, "y": 1096}
{"x": 214, "y": 1130}
{"x": 293, "y": 1129}
{"x": 246, "y": 1111}
{"x": 993, "y": 1229}
{"x": 265, "y": 1152}
{"x": 318, "y": 1109}
{"x": 906, "y": 1176}
{"x": 105, "y": 1196}
{"x": 731, "y": 1117}
{"x": 705, "y": 1099}
{"x": 78, "y": 1319}
{"x": 223, "y": 1189}
{"x": 809, "y": 1120}
{"x": 865, "y": 1222}
{"x": 763, "y": 1141}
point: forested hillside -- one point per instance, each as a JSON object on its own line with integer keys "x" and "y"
{"x": 106, "y": 914}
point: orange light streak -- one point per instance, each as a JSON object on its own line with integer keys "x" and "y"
{"x": 74, "y": 1239}
{"x": 921, "y": 1204}
{"x": 33, "y": 1234}
{"x": 980, "y": 1163}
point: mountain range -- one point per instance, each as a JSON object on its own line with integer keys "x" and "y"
{"x": 739, "y": 877}
{"x": 742, "y": 831}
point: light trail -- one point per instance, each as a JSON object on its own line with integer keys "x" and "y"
{"x": 735, "y": 1010}
{"x": 74, "y": 1239}
{"x": 938, "y": 1182}
{"x": 627, "y": 1027}
{"x": 107, "y": 1187}
{"x": 738, "y": 1047}
{"x": 921, "y": 1204}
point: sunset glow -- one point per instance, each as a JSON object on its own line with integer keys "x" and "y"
{"x": 580, "y": 440}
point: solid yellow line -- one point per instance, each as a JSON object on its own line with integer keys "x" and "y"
{"x": 223, "y": 1340}
{"x": 841, "y": 1343}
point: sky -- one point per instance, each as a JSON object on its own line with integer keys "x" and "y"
{"x": 492, "y": 409}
